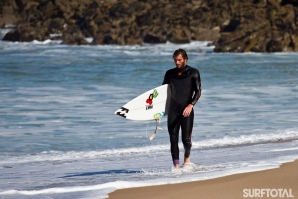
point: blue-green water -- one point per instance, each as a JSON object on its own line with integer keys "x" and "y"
{"x": 59, "y": 137}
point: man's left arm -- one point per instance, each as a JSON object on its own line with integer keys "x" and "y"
{"x": 197, "y": 88}
{"x": 196, "y": 81}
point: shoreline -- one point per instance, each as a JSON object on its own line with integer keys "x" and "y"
{"x": 282, "y": 181}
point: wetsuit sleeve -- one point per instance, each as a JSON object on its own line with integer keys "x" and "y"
{"x": 196, "y": 81}
{"x": 166, "y": 79}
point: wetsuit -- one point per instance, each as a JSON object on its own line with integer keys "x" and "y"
{"x": 185, "y": 87}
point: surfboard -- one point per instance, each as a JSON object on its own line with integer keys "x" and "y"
{"x": 150, "y": 105}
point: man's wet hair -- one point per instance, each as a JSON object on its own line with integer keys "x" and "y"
{"x": 180, "y": 52}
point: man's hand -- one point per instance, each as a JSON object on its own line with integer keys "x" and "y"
{"x": 187, "y": 110}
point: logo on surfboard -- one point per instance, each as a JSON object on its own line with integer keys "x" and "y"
{"x": 149, "y": 101}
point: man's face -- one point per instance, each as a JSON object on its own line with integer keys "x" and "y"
{"x": 180, "y": 62}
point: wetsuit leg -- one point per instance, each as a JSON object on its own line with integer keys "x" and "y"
{"x": 173, "y": 128}
{"x": 186, "y": 127}
{"x": 175, "y": 121}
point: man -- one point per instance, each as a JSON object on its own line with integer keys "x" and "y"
{"x": 185, "y": 84}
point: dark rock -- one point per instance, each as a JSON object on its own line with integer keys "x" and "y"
{"x": 202, "y": 34}
{"x": 155, "y": 35}
{"x": 73, "y": 36}
{"x": 49, "y": 9}
{"x": 292, "y": 2}
{"x": 266, "y": 29}
{"x": 13, "y": 35}
{"x": 130, "y": 35}
{"x": 30, "y": 34}
{"x": 7, "y": 13}
{"x": 232, "y": 25}
{"x": 274, "y": 46}
{"x": 98, "y": 39}
{"x": 54, "y": 25}
{"x": 154, "y": 39}
{"x": 243, "y": 39}
{"x": 27, "y": 34}
{"x": 107, "y": 39}
{"x": 281, "y": 43}
{"x": 274, "y": 3}
{"x": 179, "y": 35}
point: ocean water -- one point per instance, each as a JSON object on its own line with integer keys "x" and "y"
{"x": 59, "y": 137}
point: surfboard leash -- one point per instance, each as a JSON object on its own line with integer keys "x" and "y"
{"x": 154, "y": 134}
{"x": 158, "y": 121}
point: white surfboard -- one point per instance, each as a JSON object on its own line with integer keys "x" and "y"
{"x": 147, "y": 106}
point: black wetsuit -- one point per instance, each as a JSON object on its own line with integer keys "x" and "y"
{"x": 185, "y": 87}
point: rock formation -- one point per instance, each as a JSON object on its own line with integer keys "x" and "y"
{"x": 232, "y": 25}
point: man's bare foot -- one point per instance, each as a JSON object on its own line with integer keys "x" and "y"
{"x": 186, "y": 160}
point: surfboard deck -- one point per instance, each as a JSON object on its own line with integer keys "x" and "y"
{"x": 150, "y": 105}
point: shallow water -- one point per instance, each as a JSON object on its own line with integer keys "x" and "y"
{"x": 59, "y": 137}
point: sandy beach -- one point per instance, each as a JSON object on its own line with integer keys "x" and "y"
{"x": 281, "y": 182}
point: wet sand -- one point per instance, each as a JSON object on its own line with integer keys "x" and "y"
{"x": 281, "y": 182}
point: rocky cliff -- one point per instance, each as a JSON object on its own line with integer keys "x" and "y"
{"x": 233, "y": 25}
